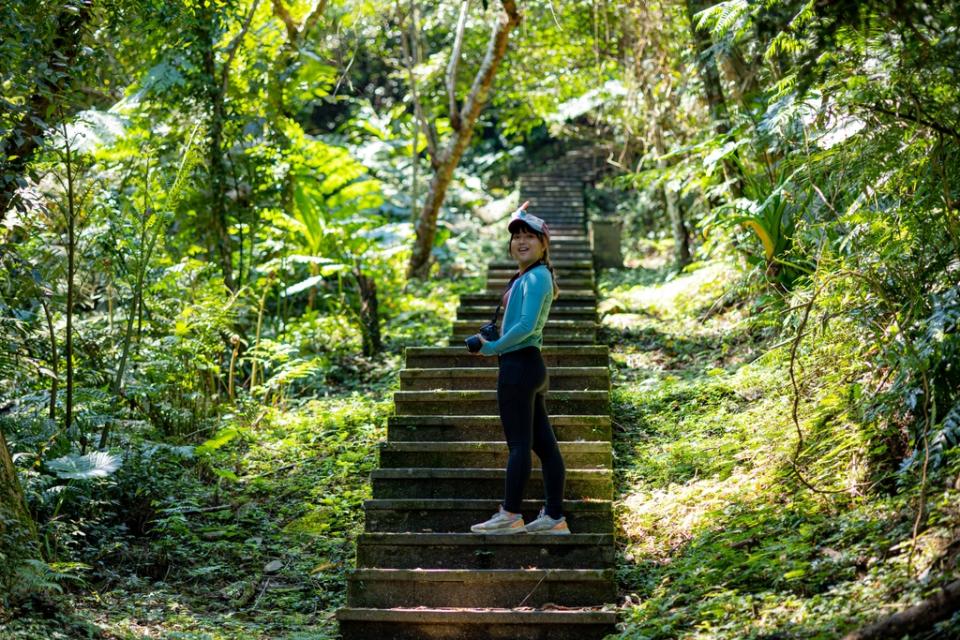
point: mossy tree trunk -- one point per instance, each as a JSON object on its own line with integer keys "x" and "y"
{"x": 18, "y": 533}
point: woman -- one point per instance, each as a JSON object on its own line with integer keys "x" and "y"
{"x": 522, "y": 382}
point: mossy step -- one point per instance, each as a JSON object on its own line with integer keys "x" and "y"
{"x": 456, "y": 515}
{"x": 558, "y": 207}
{"x": 473, "y": 551}
{"x": 485, "y": 454}
{"x": 586, "y": 327}
{"x": 568, "y": 297}
{"x": 447, "y": 378}
{"x": 472, "y": 428}
{"x": 558, "y": 263}
{"x": 481, "y": 314}
{"x": 467, "y": 624}
{"x": 433, "y": 483}
{"x": 507, "y": 272}
{"x": 549, "y": 339}
{"x": 553, "y": 356}
{"x": 419, "y": 403}
{"x": 564, "y": 282}
{"x": 385, "y": 588}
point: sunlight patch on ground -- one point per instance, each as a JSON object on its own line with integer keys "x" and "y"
{"x": 658, "y": 521}
{"x": 625, "y": 306}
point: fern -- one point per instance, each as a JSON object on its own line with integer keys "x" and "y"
{"x": 945, "y": 437}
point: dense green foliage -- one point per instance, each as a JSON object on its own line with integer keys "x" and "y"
{"x": 206, "y": 212}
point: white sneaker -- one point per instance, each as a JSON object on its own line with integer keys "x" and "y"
{"x": 550, "y": 526}
{"x": 502, "y": 523}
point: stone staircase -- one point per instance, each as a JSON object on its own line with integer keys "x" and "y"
{"x": 420, "y": 572}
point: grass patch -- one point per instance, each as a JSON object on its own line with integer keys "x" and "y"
{"x": 717, "y": 537}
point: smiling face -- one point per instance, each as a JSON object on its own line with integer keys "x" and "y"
{"x": 526, "y": 247}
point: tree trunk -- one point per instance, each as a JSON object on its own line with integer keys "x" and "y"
{"x": 54, "y": 359}
{"x": 369, "y": 314}
{"x": 924, "y": 615}
{"x": 220, "y": 240}
{"x": 18, "y": 533}
{"x": 18, "y": 147}
{"x": 71, "y": 212}
{"x": 449, "y": 157}
{"x": 713, "y": 90}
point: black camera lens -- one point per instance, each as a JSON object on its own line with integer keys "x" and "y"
{"x": 473, "y": 344}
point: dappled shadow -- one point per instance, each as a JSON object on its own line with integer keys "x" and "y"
{"x": 760, "y": 569}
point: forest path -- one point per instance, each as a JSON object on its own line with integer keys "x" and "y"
{"x": 420, "y": 572}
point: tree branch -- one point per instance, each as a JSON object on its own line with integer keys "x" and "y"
{"x": 293, "y": 29}
{"x": 296, "y": 32}
{"x": 411, "y": 57}
{"x": 495, "y": 50}
{"x": 452, "y": 66}
{"x": 234, "y": 47}
{"x": 911, "y": 118}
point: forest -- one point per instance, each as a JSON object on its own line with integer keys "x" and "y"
{"x": 223, "y": 223}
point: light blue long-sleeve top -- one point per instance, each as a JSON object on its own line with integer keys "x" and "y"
{"x": 527, "y": 309}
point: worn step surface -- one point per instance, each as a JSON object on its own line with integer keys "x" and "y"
{"x": 473, "y": 551}
{"x": 458, "y": 428}
{"x": 480, "y": 588}
{"x": 484, "y": 314}
{"x": 455, "y": 515}
{"x": 485, "y": 454}
{"x": 553, "y": 356}
{"x": 473, "y": 624}
{"x": 421, "y": 483}
{"x": 454, "y": 378}
{"x": 481, "y": 402}
{"x": 568, "y": 297}
{"x": 554, "y": 331}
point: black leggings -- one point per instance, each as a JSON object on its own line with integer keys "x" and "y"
{"x": 521, "y": 386}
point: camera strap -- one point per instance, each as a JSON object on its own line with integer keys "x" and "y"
{"x": 496, "y": 314}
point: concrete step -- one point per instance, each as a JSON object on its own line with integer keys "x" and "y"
{"x": 572, "y": 254}
{"x": 455, "y": 515}
{"x": 550, "y": 339}
{"x": 582, "y": 244}
{"x": 557, "y": 258}
{"x": 488, "y": 428}
{"x": 567, "y": 297}
{"x": 482, "y": 315}
{"x": 534, "y": 190}
{"x": 442, "y": 378}
{"x": 472, "y": 551}
{"x": 485, "y": 455}
{"x": 561, "y": 206}
{"x": 423, "y": 403}
{"x": 424, "y": 483}
{"x": 553, "y": 356}
{"x": 558, "y": 263}
{"x": 567, "y": 282}
{"x": 473, "y": 624}
{"x": 387, "y": 588}
{"x": 552, "y": 328}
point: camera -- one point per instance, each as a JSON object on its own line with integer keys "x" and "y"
{"x": 489, "y": 332}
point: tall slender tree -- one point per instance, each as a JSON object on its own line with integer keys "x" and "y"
{"x": 445, "y": 159}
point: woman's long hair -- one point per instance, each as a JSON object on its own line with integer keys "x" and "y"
{"x": 545, "y": 260}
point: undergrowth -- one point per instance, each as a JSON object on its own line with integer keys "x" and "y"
{"x": 247, "y": 535}
{"x": 718, "y": 537}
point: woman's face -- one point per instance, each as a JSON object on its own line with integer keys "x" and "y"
{"x": 526, "y": 247}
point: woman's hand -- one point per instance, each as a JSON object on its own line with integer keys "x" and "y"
{"x": 483, "y": 341}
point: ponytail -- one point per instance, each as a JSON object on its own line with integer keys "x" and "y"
{"x": 549, "y": 265}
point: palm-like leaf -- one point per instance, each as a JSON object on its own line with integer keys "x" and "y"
{"x": 98, "y": 464}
